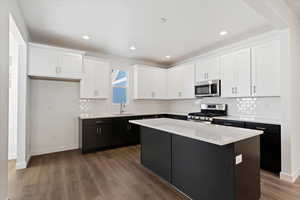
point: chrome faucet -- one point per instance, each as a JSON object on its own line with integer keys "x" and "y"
{"x": 122, "y": 108}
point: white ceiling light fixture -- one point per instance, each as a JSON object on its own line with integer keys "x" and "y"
{"x": 223, "y": 33}
{"x": 86, "y": 37}
{"x": 163, "y": 20}
{"x": 168, "y": 57}
{"x": 132, "y": 48}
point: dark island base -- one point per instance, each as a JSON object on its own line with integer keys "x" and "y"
{"x": 201, "y": 170}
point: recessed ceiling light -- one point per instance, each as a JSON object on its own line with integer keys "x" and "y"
{"x": 222, "y": 33}
{"x": 163, "y": 20}
{"x": 168, "y": 57}
{"x": 86, "y": 37}
{"x": 132, "y": 48}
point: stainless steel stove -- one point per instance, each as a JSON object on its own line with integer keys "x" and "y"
{"x": 207, "y": 112}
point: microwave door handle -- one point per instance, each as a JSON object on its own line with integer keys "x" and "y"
{"x": 209, "y": 89}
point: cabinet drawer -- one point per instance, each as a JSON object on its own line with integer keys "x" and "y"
{"x": 232, "y": 123}
{"x": 94, "y": 122}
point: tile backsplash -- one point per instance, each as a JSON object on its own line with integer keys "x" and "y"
{"x": 268, "y": 107}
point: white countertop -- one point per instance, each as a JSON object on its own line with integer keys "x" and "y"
{"x": 215, "y": 134}
{"x": 111, "y": 115}
{"x": 255, "y": 119}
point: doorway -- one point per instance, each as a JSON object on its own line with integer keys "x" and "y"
{"x": 18, "y": 81}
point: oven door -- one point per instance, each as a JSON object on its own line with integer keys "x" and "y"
{"x": 202, "y": 90}
{"x": 208, "y": 89}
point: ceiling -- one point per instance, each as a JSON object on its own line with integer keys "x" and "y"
{"x": 115, "y": 25}
{"x": 294, "y": 5}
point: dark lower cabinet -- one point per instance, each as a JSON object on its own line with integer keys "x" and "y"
{"x": 270, "y": 146}
{"x": 119, "y": 132}
{"x": 232, "y": 123}
{"x": 102, "y": 133}
{"x": 270, "y": 142}
{"x": 96, "y": 137}
{"x": 156, "y": 152}
{"x": 180, "y": 117}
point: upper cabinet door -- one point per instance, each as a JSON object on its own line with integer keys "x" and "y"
{"x": 266, "y": 69}
{"x": 236, "y": 74}
{"x": 95, "y": 79}
{"x": 43, "y": 62}
{"x": 181, "y": 82}
{"x": 187, "y": 81}
{"x": 207, "y": 69}
{"x": 71, "y": 65}
{"x": 228, "y": 75}
{"x": 173, "y": 79}
{"x": 149, "y": 82}
{"x": 160, "y": 83}
{"x": 243, "y": 73}
{"x": 53, "y": 62}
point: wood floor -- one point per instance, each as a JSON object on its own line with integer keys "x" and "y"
{"x": 109, "y": 175}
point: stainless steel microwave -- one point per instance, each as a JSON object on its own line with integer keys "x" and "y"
{"x": 210, "y": 88}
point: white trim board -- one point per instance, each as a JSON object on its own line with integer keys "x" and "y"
{"x": 23, "y": 164}
{"x": 290, "y": 177}
{"x": 53, "y": 150}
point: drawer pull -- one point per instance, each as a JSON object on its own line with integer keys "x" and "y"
{"x": 98, "y": 122}
{"x": 261, "y": 128}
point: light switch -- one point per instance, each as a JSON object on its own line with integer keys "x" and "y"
{"x": 238, "y": 159}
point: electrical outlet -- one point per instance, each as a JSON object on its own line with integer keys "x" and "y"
{"x": 238, "y": 159}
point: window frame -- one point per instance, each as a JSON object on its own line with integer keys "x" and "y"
{"x": 126, "y": 87}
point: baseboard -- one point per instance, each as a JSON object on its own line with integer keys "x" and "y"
{"x": 21, "y": 165}
{"x": 12, "y": 156}
{"x": 290, "y": 177}
{"x": 53, "y": 150}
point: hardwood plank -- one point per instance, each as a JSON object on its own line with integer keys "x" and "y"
{"x": 114, "y": 174}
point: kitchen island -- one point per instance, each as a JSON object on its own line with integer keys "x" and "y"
{"x": 204, "y": 161}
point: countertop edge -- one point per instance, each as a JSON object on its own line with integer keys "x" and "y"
{"x": 199, "y": 139}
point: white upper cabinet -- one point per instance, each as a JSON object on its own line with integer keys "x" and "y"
{"x": 52, "y": 62}
{"x": 150, "y": 82}
{"x": 236, "y": 74}
{"x": 181, "y": 82}
{"x": 95, "y": 79}
{"x": 207, "y": 69}
{"x": 266, "y": 69}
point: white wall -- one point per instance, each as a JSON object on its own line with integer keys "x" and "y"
{"x": 56, "y": 106}
{"x": 54, "y": 116}
{"x": 6, "y": 6}
{"x": 13, "y": 98}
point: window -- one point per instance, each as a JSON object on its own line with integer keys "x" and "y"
{"x": 119, "y": 86}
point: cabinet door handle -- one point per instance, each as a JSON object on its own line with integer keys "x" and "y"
{"x": 100, "y": 131}
{"x": 97, "y": 130}
{"x": 254, "y": 89}
{"x": 236, "y": 90}
{"x": 261, "y": 128}
{"x": 58, "y": 70}
{"x": 232, "y": 90}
